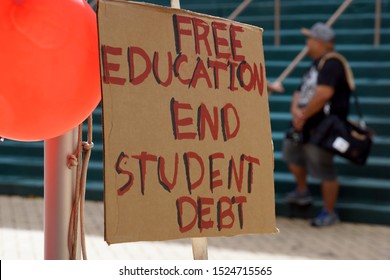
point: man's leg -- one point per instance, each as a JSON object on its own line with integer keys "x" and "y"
{"x": 300, "y": 174}
{"x": 330, "y": 191}
{"x": 293, "y": 155}
{"x": 321, "y": 166}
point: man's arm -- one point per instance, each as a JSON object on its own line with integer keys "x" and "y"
{"x": 294, "y": 108}
{"x": 322, "y": 95}
{"x": 275, "y": 87}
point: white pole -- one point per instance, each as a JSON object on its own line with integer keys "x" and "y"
{"x": 58, "y": 194}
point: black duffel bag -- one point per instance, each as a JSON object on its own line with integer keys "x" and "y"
{"x": 343, "y": 138}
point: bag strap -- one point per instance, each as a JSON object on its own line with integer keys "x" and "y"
{"x": 350, "y": 80}
{"x": 347, "y": 68}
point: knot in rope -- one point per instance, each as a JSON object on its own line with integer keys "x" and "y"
{"x": 72, "y": 161}
{"x": 87, "y": 146}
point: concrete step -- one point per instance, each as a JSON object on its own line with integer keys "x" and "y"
{"x": 377, "y": 106}
{"x": 344, "y": 36}
{"x": 297, "y": 21}
{"x": 364, "y": 87}
{"x": 376, "y": 167}
{"x": 367, "y": 69}
{"x": 22, "y": 186}
{"x": 10, "y": 148}
{"x": 380, "y": 148}
{"x": 352, "y": 188}
{"x": 380, "y": 125}
{"x": 354, "y": 53}
{"x": 348, "y": 211}
{"x": 265, "y": 8}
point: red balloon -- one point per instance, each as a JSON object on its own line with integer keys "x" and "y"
{"x": 49, "y": 67}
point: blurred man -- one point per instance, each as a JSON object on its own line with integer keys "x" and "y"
{"x": 324, "y": 90}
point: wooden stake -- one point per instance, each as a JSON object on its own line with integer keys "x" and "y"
{"x": 199, "y": 248}
{"x": 199, "y": 245}
{"x": 175, "y": 4}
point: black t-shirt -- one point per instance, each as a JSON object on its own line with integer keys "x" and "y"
{"x": 331, "y": 74}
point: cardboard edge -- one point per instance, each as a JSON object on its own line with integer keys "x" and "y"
{"x": 124, "y": 239}
{"x": 103, "y": 128}
{"x": 167, "y": 9}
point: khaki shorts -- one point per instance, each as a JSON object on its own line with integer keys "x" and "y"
{"x": 317, "y": 161}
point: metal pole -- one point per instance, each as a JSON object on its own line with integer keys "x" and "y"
{"x": 277, "y": 23}
{"x": 58, "y": 194}
{"x": 239, "y": 9}
{"x": 302, "y": 54}
{"x": 338, "y": 12}
{"x": 378, "y": 11}
{"x": 292, "y": 65}
{"x": 199, "y": 245}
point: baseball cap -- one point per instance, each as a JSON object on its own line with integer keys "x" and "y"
{"x": 319, "y": 31}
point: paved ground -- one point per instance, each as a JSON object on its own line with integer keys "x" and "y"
{"x": 21, "y": 237}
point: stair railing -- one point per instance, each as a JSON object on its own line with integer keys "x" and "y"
{"x": 302, "y": 54}
{"x": 244, "y": 4}
{"x": 277, "y": 23}
{"x": 377, "y": 33}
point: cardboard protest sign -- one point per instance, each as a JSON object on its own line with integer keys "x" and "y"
{"x": 187, "y": 136}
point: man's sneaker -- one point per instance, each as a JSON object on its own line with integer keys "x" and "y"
{"x": 325, "y": 219}
{"x": 296, "y": 197}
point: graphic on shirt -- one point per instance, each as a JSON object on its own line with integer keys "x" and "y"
{"x": 308, "y": 87}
